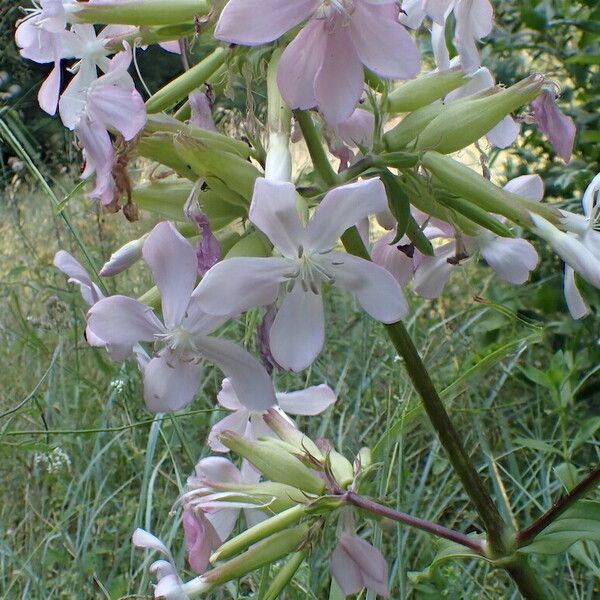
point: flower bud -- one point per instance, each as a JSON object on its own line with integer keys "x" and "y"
{"x": 411, "y": 126}
{"x": 137, "y": 12}
{"x": 253, "y": 244}
{"x": 463, "y": 122}
{"x": 424, "y": 90}
{"x": 279, "y": 466}
{"x": 285, "y": 575}
{"x": 363, "y": 460}
{"x": 341, "y": 468}
{"x": 165, "y": 198}
{"x": 265, "y": 552}
{"x": 186, "y": 83}
{"x": 260, "y": 531}
{"x": 293, "y": 436}
{"x": 462, "y": 181}
{"x": 123, "y": 258}
{"x": 232, "y": 170}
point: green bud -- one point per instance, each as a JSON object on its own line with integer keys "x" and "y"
{"x": 341, "y": 468}
{"x": 145, "y": 37}
{"x": 411, "y": 126}
{"x": 213, "y": 140}
{"x": 424, "y": 90}
{"x": 259, "y": 532}
{"x": 138, "y": 12}
{"x": 236, "y": 173}
{"x": 462, "y": 181}
{"x": 285, "y": 575}
{"x": 165, "y": 198}
{"x": 278, "y": 466}
{"x": 292, "y": 436}
{"x": 186, "y": 83}
{"x": 462, "y": 123}
{"x": 159, "y": 148}
{"x": 265, "y": 552}
{"x": 364, "y": 459}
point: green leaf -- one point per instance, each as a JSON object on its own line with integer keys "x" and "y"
{"x": 536, "y": 445}
{"x": 588, "y": 430}
{"x": 578, "y": 523}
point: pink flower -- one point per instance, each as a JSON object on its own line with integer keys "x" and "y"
{"x": 308, "y": 260}
{"x": 248, "y": 422}
{"x": 323, "y": 65}
{"x": 172, "y": 376}
{"x": 201, "y": 539}
{"x": 91, "y": 108}
{"x": 355, "y": 565}
{"x": 355, "y": 131}
{"x": 207, "y": 494}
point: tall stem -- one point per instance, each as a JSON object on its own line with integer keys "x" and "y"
{"x": 416, "y": 522}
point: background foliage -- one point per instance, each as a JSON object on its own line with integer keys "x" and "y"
{"x": 83, "y": 463}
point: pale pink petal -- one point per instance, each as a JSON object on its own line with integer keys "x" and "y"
{"x": 376, "y": 290}
{"x": 342, "y": 208}
{"x": 300, "y": 63}
{"x": 200, "y": 540}
{"x": 439, "y": 47}
{"x": 576, "y": 304}
{"x": 251, "y": 382}
{"x": 357, "y": 130}
{"x": 227, "y": 398}
{"x": 214, "y": 470}
{"x": 119, "y": 109}
{"x": 223, "y": 520}
{"x": 77, "y": 274}
{"x": 170, "y": 383}
{"x": 144, "y": 539}
{"x": 49, "y": 90}
{"x": 237, "y": 284}
{"x": 312, "y": 401}
{"x": 474, "y": 20}
{"x": 412, "y": 14}
{"x": 438, "y": 10}
{"x": 174, "y": 266}
{"x": 257, "y": 428}
{"x": 124, "y": 321}
{"x": 236, "y": 422}
{"x": 591, "y": 197}
{"x": 339, "y": 81}
{"x": 511, "y": 259}
{"x": 505, "y": 133}
{"x": 369, "y": 560}
{"x": 433, "y": 272}
{"x": 273, "y": 210}
{"x": 173, "y": 47}
{"x": 345, "y": 571}
{"x": 398, "y": 262}
{"x": 556, "y": 126}
{"x": 255, "y": 22}
{"x": 383, "y": 45}
{"x": 530, "y": 187}
{"x": 298, "y": 332}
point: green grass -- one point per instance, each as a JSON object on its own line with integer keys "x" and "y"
{"x": 83, "y": 463}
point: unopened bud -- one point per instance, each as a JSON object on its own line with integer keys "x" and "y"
{"x": 123, "y": 258}
{"x": 424, "y": 90}
{"x": 259, "y": 532}
{"x": 364, "y": 459}
{"x": 279, "y": 466}
{"x": 293, "y": 436}
{"x": 341, "y": 468}
{"x": 285, "y": 575}
{"x": 463, "y": 122}
{"x": 411, "y": 126}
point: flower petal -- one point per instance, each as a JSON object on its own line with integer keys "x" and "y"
{"x": 530, "y": 187}
{"x": 77, "y": 274}
{"x": 312, "y": 401}
{"x": 273, "y": 210}
{"x": 342, "y": 208}
{"x": 298, "y": 332}
{"x": 383, "y": 45}
{"x": 433, "y": 272}
{"x": 236, "y": 284}
{"x": 200, "y": 539}
{"x": 300, "y": 63}
{"x": 236, "y": 422}
{"x": 144, "y": 539}
{"x": 227, "y": 398}
{"x": 512, "y": 259}
{"x": 345, "y": 571}
{"x": 170, "y": 383}
{"x": 340, "y": 79}
{"x": 251, "y": 382}
{"x": 505, "y": 133}
{"x": 123, "y": 321}
{"x": 392, "y": 259}
{"x": 255, "y": 22}
{"x": 50, "y": 90}
{"x": 575, "y": 302}
{"x": 174, "y": 265}
{"x": 376, "y": 290}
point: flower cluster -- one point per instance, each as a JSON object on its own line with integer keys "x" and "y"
{"x": 276, "y": 240}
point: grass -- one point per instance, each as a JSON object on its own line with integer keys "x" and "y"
{"x": 84, "y": 463}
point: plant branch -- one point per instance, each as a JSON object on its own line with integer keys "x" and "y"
{"x": 428, "y": 526}
{"x": 495, "y": 526}
{"x": 525, "y": 536}
{"x": 315, "y": 148}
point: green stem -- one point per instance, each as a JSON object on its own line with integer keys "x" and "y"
{"x": 526, "y": 579}
{"x": 494, "y": 524}
{"x": 315, "y": 148}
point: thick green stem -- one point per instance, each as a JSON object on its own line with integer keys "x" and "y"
{"x": 495, "y": 526}
{"x": 526, "y": 579}
{"x": 315, "y": 148}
